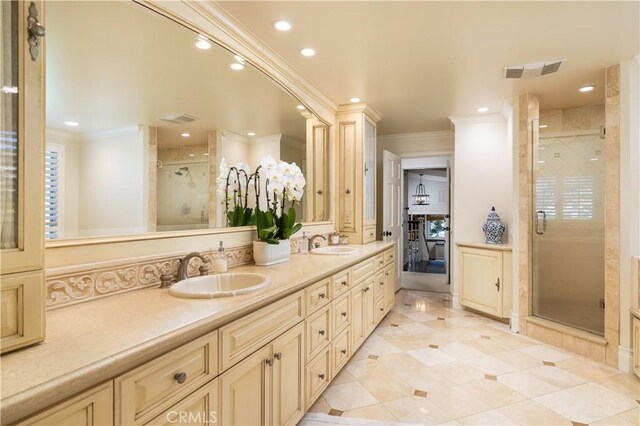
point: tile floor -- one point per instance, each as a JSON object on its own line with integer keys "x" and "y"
{"x": 430, "y": 364}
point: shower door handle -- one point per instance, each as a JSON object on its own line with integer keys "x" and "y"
{"x": 544, "y": 222}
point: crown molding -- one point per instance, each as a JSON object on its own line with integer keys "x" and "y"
{"x": 439, "y": 134}
{"x": 212, "y": 20}
{"x": 478, "y": 119}
{"x": 364, "y": 107}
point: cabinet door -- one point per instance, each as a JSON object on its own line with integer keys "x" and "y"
{"x": 389, "y": 287}
{"x": 22, "y": 309}
{"x": 22, "y": 148}
{"x": 288, "y": 377}
{"x": 357, "y": 316}
{"x": 244, "y": 389}
{"x": 350, "y": 146}
{"x": 481, "y": 280}
{"x": 369, "y": 171}
{"x": 369, "y": 306}
{"x": 91, "y": 408}
{"x": 636, "y": 346}
{"x": 199, "y": 408}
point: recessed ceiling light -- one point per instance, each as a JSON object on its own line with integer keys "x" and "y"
{"x": 203, "y": 44}
{"x": 307, "y": 51}
{"x": 483, "y": 109}
{"x": 540, "y": 161}
{"x": 593, "y": 159}
{"x": 236, "y": 66}
{"x": 9, "y": 89}
{"x": 585, "y": 89}
{"x": 251, "y": 134}
{"x": 238, "y": 59}
{"x": 206, "y": 154}
{"x": 543, "y": 126}
{"x": 71, "y": 123}
{"x": 185, "y": 135}
{"x": 282, "y": 25}
{"x": 192, "y": 155}
{"x": 354, "y": 100}
{"x": 300, "y": 107}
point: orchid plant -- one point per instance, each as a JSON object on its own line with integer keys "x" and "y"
{"x": 284, "y": 183}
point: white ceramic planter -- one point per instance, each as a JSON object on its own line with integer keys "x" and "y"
{"x": 269, "y": 254}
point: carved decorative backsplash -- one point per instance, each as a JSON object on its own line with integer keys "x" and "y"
{"x": 67, "y": 289}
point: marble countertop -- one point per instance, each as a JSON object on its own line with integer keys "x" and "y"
{"x": 91, "y": 343}
{"x": 500, "y": 247}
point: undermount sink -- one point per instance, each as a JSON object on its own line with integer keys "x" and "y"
{"x": 221, "y": 285}
{"x": 336, "y": 250}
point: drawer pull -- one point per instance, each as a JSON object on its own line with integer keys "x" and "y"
{"x": 322, "y": 295}
{"x": 344, "y": 314}
{"x": 366, "y": 289}
{"x": 381, "y": 262}
{"x": 321, "y": 332}
{"x": 269, "y": 362}
{"x": 343, "y": 352}
{"x": 343, "y": 283}
{"x": 381, "y": 309}
{"x": 321, "y": 375}
{"x": 277, "y": 355}
{"x": 386, "y": 274}
{"x": 381, "y": 282}
{"x": 180, "y": 377}
{"x": 347, "y": 191}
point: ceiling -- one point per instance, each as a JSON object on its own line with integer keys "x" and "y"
{"x": 420, "y": 62}
{"x": 114, "y": 64}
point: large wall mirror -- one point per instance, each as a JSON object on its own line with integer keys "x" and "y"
{"x": 141, "y": 111}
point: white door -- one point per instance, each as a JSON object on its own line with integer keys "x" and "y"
{"x": 391, "y": 210}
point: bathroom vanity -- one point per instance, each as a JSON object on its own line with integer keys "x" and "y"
{"x": 146, "y": 357}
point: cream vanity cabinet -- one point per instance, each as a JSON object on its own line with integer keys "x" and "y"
{"x": 485, "y": 278}
{"x": 22, "y": 189}
{"x": 636, "y": 341}
{"x": 265, "y": 368}
{"x": 317, "y": 178}
{"x": 356, "y": 128}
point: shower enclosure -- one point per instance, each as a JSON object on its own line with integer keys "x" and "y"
{"x": 568, "y": 225}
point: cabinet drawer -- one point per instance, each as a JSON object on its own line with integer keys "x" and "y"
{"x": 341, "y": 283}
{"x": 379, "y": 261}
{"x": 341, "y": 350}
{"x": 369, "y": 235}
{"x": 389, "y": 256}
{"x": 247, "y": 334}
{"x": 318, "y": 374}
{"x": 317, "y": 295}
{"x": 362, "y": 270}
{"x": 318, "y": 331}
{"x": 91, "y": 408}
{"x": 199, "y": 408}
{"x": 153, "y": 387}
{"x": 341, "y": 313}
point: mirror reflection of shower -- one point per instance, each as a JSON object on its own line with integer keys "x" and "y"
{"x": 184, "y": 171}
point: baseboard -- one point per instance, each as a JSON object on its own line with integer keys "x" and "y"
{"x": 514, "y": 325}
{"x": 455, "y": 302}
{"x": 625, "y": 359}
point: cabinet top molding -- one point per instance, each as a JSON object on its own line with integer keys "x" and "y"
{"x": 497, "y": 247}
{"x": 364, "y": 107}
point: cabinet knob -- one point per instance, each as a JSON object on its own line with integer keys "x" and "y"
{"x": 319, "y": 192}
{"x": 498, "y": 284}
{"x": 347, "y": 191}
{"x": 386, "y": 274}
{"x": 381, "y": 282}
{"x": 321, "y": 332}
{"x": 322, "y": 295}
{"x": 344, "y": 314}
{"x": 180, "y": 377}
{"x": 343, "y": 283}
{"x": 321, "y": 375}
{"x": 381, "y": 309}
{"x": 269, "y": 362}
{"x": 277, "y": 355}
{"x": 343, "y": 352}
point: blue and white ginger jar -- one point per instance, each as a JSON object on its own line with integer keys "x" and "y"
{"x": 493, "y": 228}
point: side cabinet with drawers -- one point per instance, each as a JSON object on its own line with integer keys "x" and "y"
{"x": 266, "y": 368}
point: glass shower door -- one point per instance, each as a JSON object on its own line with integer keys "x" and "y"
{"x": 568, "y": 227}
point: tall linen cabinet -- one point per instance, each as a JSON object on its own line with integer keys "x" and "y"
{"x": 356, "y": 137}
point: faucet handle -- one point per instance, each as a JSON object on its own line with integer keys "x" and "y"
{"x": 204, "y": 269}
{"x": 166, "y": 280}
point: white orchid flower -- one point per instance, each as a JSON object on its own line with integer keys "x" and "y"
{"x": 269, "y": 163}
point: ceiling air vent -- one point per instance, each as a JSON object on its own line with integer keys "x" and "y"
{"x": 534, "y": 70}
{"x": 178, "y": 118}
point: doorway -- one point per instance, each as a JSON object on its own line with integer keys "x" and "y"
{"x": 426, "y": 195}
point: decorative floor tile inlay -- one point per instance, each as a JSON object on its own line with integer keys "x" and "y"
{"x": 471, "y": 370}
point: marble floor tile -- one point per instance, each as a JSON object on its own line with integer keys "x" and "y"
{"x": 530, "y": 413}
{"x": 372, "y": 412}
{"x": 429, "y": 364}
{"x": 348, "y": 396}
{"x": 493, "y": 393}
{"x": 417, "y": 410}
{"x": 572, "y": 407}
{"x": 488, "y": 418}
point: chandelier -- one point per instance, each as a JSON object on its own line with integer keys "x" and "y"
{"x": 420, "y": 198}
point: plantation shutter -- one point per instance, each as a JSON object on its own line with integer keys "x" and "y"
{"x": 52, "y": 194}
